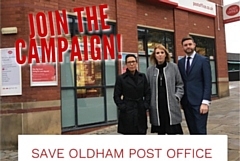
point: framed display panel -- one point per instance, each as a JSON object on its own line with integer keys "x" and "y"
{"x": 10, "y": 73}
{"x": 43, "y": 74}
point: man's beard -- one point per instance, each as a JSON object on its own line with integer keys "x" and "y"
{"x": 189, "y": 51}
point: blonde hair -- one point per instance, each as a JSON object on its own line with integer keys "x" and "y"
{"x": 153, "y": 59}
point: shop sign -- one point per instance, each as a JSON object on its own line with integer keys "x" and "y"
{"x": 43, "y": 74}
{"x": 10, "y": 73}
{"x": 198, "y": 6}
{"x": 231, "y": 12}
{"x": 203, "y": 7}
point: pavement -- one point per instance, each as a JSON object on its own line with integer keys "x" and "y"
{"x": 224, "y": 119}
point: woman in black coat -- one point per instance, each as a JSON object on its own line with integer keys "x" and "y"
{"x": 132, "y": 97}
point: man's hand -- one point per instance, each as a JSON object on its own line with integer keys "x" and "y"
{"x": 203, "y": 109}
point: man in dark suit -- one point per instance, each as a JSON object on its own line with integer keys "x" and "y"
{"x": 196, "y": 74}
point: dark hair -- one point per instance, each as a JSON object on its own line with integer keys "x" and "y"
{"x": 130, "y": 55}
{"x": 153, "y": 59}
{"x": 187, "y": 38}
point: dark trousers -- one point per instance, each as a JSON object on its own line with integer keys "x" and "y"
{"x": 196, "y": 122}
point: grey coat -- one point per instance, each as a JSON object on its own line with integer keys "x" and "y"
{"x": 174, "y": 88}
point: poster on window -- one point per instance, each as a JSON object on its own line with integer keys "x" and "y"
{"x": 10, "y": 73}
{"x": 123, "y": 65}
{"x": 43, "y": 74}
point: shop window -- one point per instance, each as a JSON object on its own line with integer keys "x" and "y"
{"x": 111, "y": 107}
{"x": 148, "y": 39}
{"x": 206, "y": 47}
{"x": 201, "y": 51}
{"x": 91, "y": 109}
{"x": 154, "y": 37}
{"x": 89, "y": 84}
{"x": 67, "y": 72}
{"x": 88, "y": 73}
{"x": 142, "y": 64}
{"x": 110, "y": 72}
{"x": 68, "y": 108}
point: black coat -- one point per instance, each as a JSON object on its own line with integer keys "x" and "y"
{"x": 132, "y": 97}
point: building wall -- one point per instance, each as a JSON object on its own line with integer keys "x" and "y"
{"x": 38, "y": 109}
{"x": 155, "y": 16}
{"x": 222, "y": 69}
{"x": 126, "y": 24}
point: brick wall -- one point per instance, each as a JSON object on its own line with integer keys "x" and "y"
{"x": 15, "y": 14}
{"x": 37, "y": 110}
{"x": 181, "y": 29}
{"x": 157, "y": 15}
{"x": 126, "y": 24}
{"x": 201, "y": 24}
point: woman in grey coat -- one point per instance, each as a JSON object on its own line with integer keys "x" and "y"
{"x": 166, "y": 92}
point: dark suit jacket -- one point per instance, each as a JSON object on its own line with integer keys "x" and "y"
{"x": 198, "y": 83}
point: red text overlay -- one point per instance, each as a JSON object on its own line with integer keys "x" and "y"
{"x": 124, "y": 148}
{"x": 48, "y": 29}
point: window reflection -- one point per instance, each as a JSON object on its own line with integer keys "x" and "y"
{"x": 201, "y": 51}
{"x": 206, "y": 47}
{"x": 87, "y": 81}
{"x": 88, "y": 74}
{"x": 91, "y": 92}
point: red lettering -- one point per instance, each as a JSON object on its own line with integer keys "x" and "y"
{"x": 33, "y": 53}
{"x": 75, "y": 49}
{"x": 108, "y": 47}
{"x": 85, "y": 41}
{"x": 35, "y": 152}
{"x": 62, "y": 47}
{"x": 103, "y": 16}
{"x": 51, "y": 23}
{"x": 91, "y": 18}
{"x": 52, "y": 154}
{"x": 79, "y": 16}
{"x": 95, "y": 40}
{"x": 20, "y": 44}
{"x": 71, "y": 155}
{"x": 158, "y": 152}
{"x": 186, "y": 152}
{"x": 55, "y": 153}
{"x": 197, "y": 153}
{"x": 119, "y": 46}
{"x": 206, "y": 153}
{"x": 179, "y": 151}
{"x": 143, "y": 153}
{"x": 59, "y": 152}
{"x": 31, "y": 25}
{"x": 132, "y": 152}
{"x": 173, "y": 153}
{"x": 41, "y": 24}
{"x": 48, "y": 50}
{"x": 108, "y": 154}
{"x": 189, "y": 153}
{"x": 92, "y": 154}
{"x": 150, "y": 153}
{"x": 43, "y": 154}
{"x": 61, "y": 22}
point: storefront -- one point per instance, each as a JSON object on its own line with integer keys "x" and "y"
{"x": 83, "y": 95}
